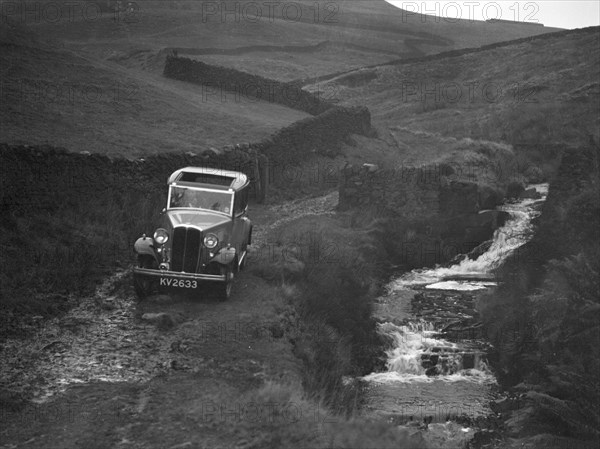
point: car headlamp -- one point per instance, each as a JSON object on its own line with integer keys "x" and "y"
{"x": 161, "y": 236}
{"x": 211, "y": 241}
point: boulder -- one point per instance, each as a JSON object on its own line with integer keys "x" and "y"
{"x": 161, "y": 320}
{"x": 481, "y": 227}
{"x": 531, "y": 194}
{"x": 432, "y": 372}
{"x": 108, "y": 303}
{"x": 480, "y": 250}
{"x": 489, "y": 197}
{"x": 502, "y": 405}
{"x": 535, "y": 175}
{"x": 470, "y": 230}
{"x": 468, "y": 360}
{"x": 371, "y": 168}
{"x": 514, "y": 189}
{"x": 458, "y": 198}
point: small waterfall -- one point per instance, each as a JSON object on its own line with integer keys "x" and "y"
{"x": 418, "y": 355}
{"x": 409, "y": 342}
{"x": 419, "y": 352}
{"x": 515, "y": 232}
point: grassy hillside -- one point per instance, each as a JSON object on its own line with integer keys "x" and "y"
{"x": 49, "y": 94}
{"x": 538, "y": 91}
{"x": 360, "y": 32}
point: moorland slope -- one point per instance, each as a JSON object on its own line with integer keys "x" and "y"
{"x": 538, "y": 92}
{"x": 52, "y": 95}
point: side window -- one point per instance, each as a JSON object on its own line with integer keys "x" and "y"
{"x": 241, "y": 201}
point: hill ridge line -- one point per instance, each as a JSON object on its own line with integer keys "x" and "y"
{"x": 449, "y": 54}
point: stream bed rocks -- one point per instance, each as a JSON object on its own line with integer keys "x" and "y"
{"x": 437, "y": 377}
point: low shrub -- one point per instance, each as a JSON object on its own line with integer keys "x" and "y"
{"x": 337, "y": 279}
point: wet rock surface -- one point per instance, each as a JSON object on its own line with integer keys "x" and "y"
{"x": 92, "y": 342}
{"x": 530, "y": 193}
{"x": 454, "y": 314}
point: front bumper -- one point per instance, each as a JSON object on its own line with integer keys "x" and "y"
{"x": 177, "y": 275}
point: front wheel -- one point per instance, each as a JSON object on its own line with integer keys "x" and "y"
{"x": 142, "y": 284}
{"x": 142, "y": 287}
{"x": 224, "y": 289}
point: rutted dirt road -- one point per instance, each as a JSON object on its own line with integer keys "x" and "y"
{"x": 172, "y": 371}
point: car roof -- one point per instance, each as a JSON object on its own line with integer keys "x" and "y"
{"x": 215, "y": 178}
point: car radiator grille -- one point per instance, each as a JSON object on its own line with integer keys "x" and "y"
{"x": 186, "y": 249}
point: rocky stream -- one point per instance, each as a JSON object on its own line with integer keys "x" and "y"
{"x": 438, "y": 376}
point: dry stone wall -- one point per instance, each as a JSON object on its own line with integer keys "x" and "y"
{"x": 428, "y": 216}
{"x": 322, "y": 135}
{"x": 391, "y": 191}
{"x": 48, "y": 176}
{"x": 220, "y": 79}
{"x": 24, "y": 167}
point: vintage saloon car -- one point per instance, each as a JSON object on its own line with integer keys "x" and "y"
{"x": 203, "y": 235}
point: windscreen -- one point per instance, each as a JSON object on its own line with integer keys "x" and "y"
{"x": 200, "y": 199}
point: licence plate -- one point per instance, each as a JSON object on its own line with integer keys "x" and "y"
{"x": 178, "y": 283}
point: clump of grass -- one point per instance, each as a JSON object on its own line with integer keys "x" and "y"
{"x": 336, "y": 335}
{"x": 286, "y": 418}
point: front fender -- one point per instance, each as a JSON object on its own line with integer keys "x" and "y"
{"x": 225, "y": 256}
{"x": 144, "y": 246}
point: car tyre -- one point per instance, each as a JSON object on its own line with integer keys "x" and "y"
{"x": 225, "y": 288}
{"x": 141, "y": 284}
{"x": 142, "y": 287}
